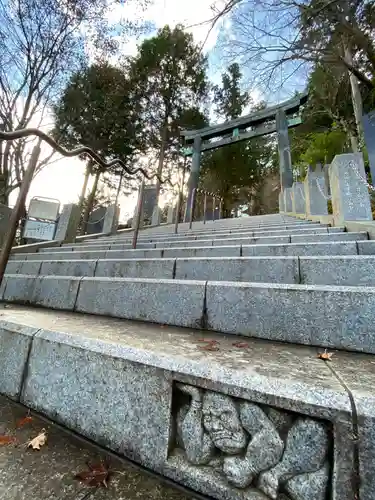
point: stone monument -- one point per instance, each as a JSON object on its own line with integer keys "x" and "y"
{"x": 315, "y": 192}
{"x": 111, "y": 219}
{"x": 68, "y": 222}
{"x": 288, "y": 205}
{"x": 350, "y": 195}
{"x": 298, "y": 198}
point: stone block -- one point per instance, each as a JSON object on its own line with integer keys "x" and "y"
{"x": 19, "y": 288}
{"x": 328, "y": 237}
{"x": 67, "y": 226}
{"x": 315, "y": 192}
{"x": 111, "y": 218}
{"x": 138, "y": 253}
{"x": 255, "y": 241}
{"x": 216, "y": 251}
{"x": 68, "y": 267}
{"x": 328, "y": 316}
{"x": 281, "y": 202}
{"x": 289, "y": 232}
{"x": 56, "y": 292}
{"x": 366, "y": 247}
{"x": 288, "y": 200}
{"x": 298, "y": 198}
{"x": 350, "y": 196}
{"x": 156, "y": 216}
{"x": 169, "y": 302}
{"x": 252, "y": 269}
{"x": 15, "y": 342}
{"x": 296, "y": 249}
{"x": 187, "y": 243}
{"x": 104, "y": 396}
{"x": 132, "y": 268}
{"x": 343, "y": 271}
{"x": 154, "y": 404}
{"x": 128, "y": 246}
{"x": 23, "y": 267}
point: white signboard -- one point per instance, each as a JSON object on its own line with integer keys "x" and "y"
{"x": 40, "y": 208}
{"x": 36, "y": 230}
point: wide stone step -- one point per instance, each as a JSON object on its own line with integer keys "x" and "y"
{"x": 329, "y": 316}
{"x": 159, "y": 396}
{"x": 203, "y": 234}
{"x": 279, "y": 239}
{"x": 332, "y": 270}
{"x": 361, "y": 247}
{"x": 206, "y": 237}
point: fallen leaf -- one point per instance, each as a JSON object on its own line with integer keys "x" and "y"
{"x": 327, "y": 356}
{"x": 208, "y": 347}
{"x": 240, "y": 345}
{"x": 39, "y": 441}
{"x": 96, "y": 475}
{"x": 24, "y": 421}
{"x": 208, "y": 341}
{"x": 4, "y": 440}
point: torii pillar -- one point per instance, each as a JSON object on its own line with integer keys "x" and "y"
{"x": 285, "y": 159}
{"x": 194, "y": 174}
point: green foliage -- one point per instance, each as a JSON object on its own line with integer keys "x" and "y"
{"x": 229, "y": 99}
{"x": 169, "y": 78}
{"x": 323, "y": 146}
{"x": 97, "y": 109}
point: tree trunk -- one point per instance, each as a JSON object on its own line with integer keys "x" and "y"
{"x": 161, "y": 160}
{"x": 90, "y": 202}
{"x": 84, "y": 187}
{"x": 356, "y": 96}
{"x": 119, "y": 187}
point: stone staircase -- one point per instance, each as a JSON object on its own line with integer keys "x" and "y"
{"x": 197, "y": 355}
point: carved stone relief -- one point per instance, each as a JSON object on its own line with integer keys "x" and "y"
{"x": 276, "y": 454}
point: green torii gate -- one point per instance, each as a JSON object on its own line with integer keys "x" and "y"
{"x": 272, "y": 119}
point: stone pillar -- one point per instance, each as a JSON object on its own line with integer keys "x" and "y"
{"x": 281, "y": 202}
{"x": 288, "y": 206}
{"x": 327, "y": 186}
{"x": 369, "y": 134}
{"x": 285, "y": 160}
{"x": 171, "y": 214}
{"x": 156, "y": 213}
{"x": 315, "y": 193}
{"x": 67, "y": 225}
{"x": 298, "y": 198}
{"x": 111, "y": 217}
{"x": 194, "y": 174}
{"x": 350, "y": 196}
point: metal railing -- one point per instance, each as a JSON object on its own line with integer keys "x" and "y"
{"x": 29, "y": 173}
{"x": 206, "y": 195}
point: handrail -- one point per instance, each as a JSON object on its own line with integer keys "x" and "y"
{"x": 26, "y": 132}
{"x": 192, "y": 205}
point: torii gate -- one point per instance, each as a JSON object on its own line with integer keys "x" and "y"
{"x": 272, "y": 119}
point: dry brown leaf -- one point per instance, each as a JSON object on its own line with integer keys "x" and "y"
{"x": 96, "y": 475}
{"x": 240, "y": 345}
{"x": 39, "y": 441}
{"x": 326, "y": 356}
{"x": 24, "y": 421}
{"x": 5, "y": 440}
{"x": 209, "y": 347}
{"x": 208, "y": 341}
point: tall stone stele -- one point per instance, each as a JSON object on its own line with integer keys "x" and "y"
{"x": 298, "y": 198}
{"x": 288, "y": 204}
{"x": 316, "y": 192}
{"x": 350, "y": 194}
{"x": 67, "y": 225}
{"x": 111, "y": 218}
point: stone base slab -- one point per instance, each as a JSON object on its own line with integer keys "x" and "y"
{"x": 293, "y": 426}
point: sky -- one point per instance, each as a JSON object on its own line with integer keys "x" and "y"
{"x": 63, "y": 179}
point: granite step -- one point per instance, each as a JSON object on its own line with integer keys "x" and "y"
{"x": 362, "y": 247}
{"x": 178, "y": 238}
{"x": 276, "y": 239}
{"x": 323, "y": 315}
{"x": 125, "y": 385}
{"x": 318, "y": 270}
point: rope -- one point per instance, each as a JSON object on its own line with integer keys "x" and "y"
{"x": 358, "y": 174}
{"x": 321, "y": 190}
{"x": 302, "y": 192}
{"x": 25, "y": 132}
{"x": 96, "y": 221}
